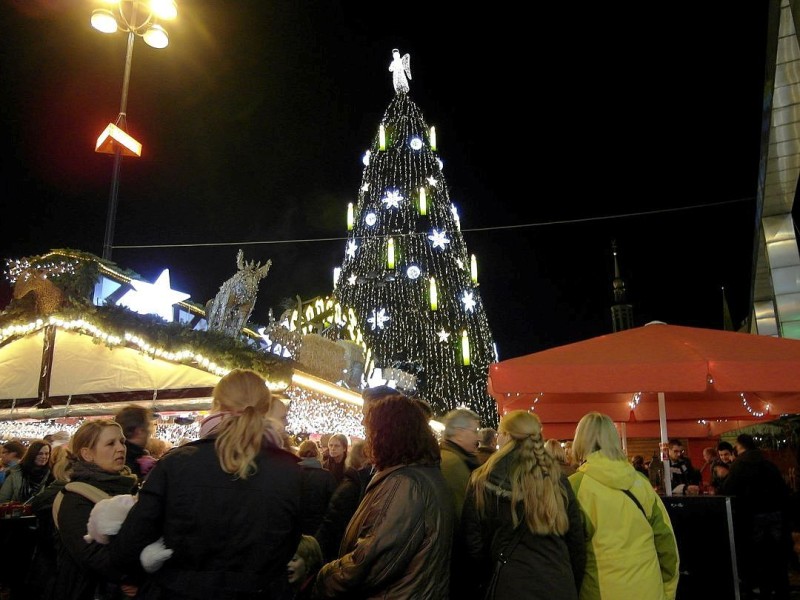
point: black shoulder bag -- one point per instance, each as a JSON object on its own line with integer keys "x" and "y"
{"x": 639, "y": 504}
{"x": 505, "y": 554}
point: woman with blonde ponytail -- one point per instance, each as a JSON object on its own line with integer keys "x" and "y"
{"x": 227, "y": 504}
{"x": 521, "y": 518}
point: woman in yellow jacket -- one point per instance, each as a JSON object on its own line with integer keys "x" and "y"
{"x": 630, "y": 545}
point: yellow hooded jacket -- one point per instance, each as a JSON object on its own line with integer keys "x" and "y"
{"x": 628, "y": 554}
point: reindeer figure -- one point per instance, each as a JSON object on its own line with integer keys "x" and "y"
{"x": 230, "y": 309}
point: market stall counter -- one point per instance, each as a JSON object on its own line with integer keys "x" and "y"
{"x": 703, "y": 527}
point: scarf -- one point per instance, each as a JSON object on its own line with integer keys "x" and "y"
{"x": 210, "y": 425}
{"x": 113, "y": 484}
{"x": 33, "y": 480}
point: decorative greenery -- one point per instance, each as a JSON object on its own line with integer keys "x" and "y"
{"x": 77, "y": 286}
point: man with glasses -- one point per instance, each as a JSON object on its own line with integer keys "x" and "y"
{"x": 682, "y": 474}
{"x": 459, "y": 459}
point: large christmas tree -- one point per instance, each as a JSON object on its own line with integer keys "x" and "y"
{"x": 407, "y": 275}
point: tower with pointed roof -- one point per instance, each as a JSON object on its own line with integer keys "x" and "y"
{"x": 621, "y": 310}
{"x": 407, "y": 278}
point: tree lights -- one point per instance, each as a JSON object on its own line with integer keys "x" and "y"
{"x": 407, "y": 275}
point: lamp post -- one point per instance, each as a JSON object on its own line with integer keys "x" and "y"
{"x": 134, "y": 17}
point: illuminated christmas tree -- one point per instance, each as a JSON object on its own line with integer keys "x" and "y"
{"x": 407, "y": 277}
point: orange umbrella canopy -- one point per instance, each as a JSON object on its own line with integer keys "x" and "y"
{"x": 703, "y": 374}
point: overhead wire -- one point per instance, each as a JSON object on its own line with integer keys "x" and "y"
{"x": 469, "y": 230}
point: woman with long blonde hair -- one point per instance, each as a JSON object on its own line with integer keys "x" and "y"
{"x": 520, "y": 517}
{"x": 227, "y": 504}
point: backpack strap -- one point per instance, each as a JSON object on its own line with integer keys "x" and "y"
{"x": 86, "y": 490}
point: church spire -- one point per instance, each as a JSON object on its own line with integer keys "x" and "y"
{"x": 621, "y": 311}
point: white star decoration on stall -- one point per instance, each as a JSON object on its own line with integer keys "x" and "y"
{"x": 439, "y": 239}
{"x": 432, "y": 180}
{"x": 378, "y": 319}
{"x": 392, "y": 199}
{"x": 443, "y": 335}
{"x": 351, "y": 249}
{"x": 352, "y": 279}
{"x": 153, "y": 298}
{"x": 468, "y": 300}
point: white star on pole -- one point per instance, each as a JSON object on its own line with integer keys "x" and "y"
{"x": 352, "y": 279}
{"x": 378, "y": 319}
{"x": 439, "y": 239}
{"x": 392, "y": 199}
{"x": 432, "y": 180}
{"x": 153, "y": 298}
{"x": 351, "y": 249}
{"x": 469, "y": 302}
{"x": 443, "y": 335}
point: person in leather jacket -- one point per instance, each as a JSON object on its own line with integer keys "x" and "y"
{"x": 398, "y": 543}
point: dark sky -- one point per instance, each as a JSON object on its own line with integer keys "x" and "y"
{"x": 555, "y": 128}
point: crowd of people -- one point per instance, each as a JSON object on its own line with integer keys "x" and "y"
{"x": 472, "y": 513}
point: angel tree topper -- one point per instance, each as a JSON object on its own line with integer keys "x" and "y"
{"x": 401, "y": 71}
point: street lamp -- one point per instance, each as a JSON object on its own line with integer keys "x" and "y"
{"x": 134, "y": 17}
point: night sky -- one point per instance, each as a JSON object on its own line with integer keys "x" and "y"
{"x": 560, "y": 131}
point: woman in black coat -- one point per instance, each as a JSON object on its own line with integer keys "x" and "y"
{"x": 520, "y": 505}
{"x": 318, "y": 487}
{"x": 344, "y": 502}
{"x": 84, "y": 570}
{"x": 227, "y": 505}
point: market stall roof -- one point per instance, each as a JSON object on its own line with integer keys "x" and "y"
{"x": 86, "y": 376}
{"x": 701, "y": 374}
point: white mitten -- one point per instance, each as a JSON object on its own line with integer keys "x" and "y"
{"x": 154, "y": 555}
{"x": 106, "y": 518}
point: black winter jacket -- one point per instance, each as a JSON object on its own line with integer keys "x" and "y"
{"x": 318, "y": 487}
{"x": 342, "y": 506}
{"x": 82, "y": 567}
{"x": 540, "y": 566}
{"x": 231, "y": 538}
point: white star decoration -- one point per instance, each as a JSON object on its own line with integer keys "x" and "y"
{"x": 469, "y": 302}
{"x": 365, "y": 187}
{"x": 378, "y": 319}
{"x": 443, "y": 335}
{"x": 392, "y": 199}
{"x": 432, "y": 180}
{"x": 439, "y": 239}
{"x": 351, "y": 249}
{"x": 352, "y": 279}
{"x": 152, "y": 298}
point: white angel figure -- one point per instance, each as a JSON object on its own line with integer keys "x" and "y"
{"x": 401, "y": 71}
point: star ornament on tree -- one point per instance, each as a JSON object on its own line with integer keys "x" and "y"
{"x": 153, "y": 298}
{"x": 443, "y": 335}
{"x": 432, "y": 180}
{"x": 351, "y": 249}
{"x": 439, "y": 239}
{"x": 352, "y": 279}
{"x": 378, "y": 319}
{"x": 469, "y": 301}
{"x": 392, "y": 199}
